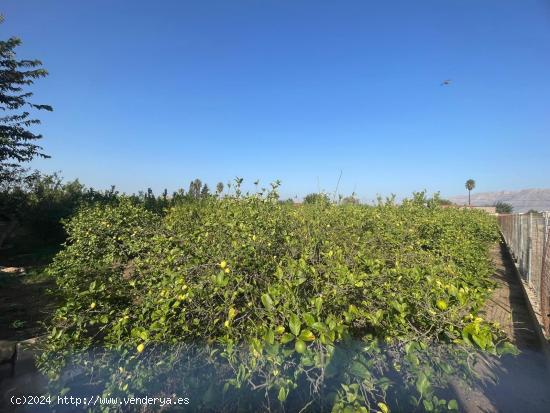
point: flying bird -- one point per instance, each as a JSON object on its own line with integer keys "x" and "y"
{"x": 446, "y": 82}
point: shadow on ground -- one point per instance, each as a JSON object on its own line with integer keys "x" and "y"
{"x": 515, "y": 383}
{"x": 26, "y": 300}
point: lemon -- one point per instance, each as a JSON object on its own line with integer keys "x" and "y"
{"x": 140, "y": 348}
{"x": 92, "y": 306}
{"x": 441, "y": 304}
{"x": 383, "y": 407}
{"x": 300, "y": 346}
{"x": 280, "y": 330}
{"x": 223, "y": 264}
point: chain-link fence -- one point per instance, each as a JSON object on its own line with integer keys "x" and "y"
{"x": 528, "y": 237}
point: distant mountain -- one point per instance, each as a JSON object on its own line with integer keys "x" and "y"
{"x": 522, "y": 201}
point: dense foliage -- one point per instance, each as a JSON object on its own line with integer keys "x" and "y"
{"x": 17, "y": 139}
{"x": 321, "y": 307}
{"x": 503, "y": 208}
{"x": 316, "y": 198}
{"x": 38, "y": 203}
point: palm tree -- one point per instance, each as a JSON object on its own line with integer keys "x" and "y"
{"x": 470, "y": 184}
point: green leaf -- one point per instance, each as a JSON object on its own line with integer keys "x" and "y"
{"x": 422, "y": 384}
{"x": 309, "y": 319}
{"x": 507, "y": 348}
{"x": 318, "y": 304}
{"x": 319, "y": 326}
{"x": 257, "y": 345}
{"x": 452, "y": 405}
{"x": 273, "y": 349}
{"x": 483, "y": 338}
{"x": 220, "y": 279}
{"x": 267, "y": 302}
{"x": 360, "y": 370}
{"x": 428, "y": 405}
{"x": 282, "y": 394}
{"x": 269, "y": 337}
{"x": 286, "y": 338}
{"x": 295, "y": 324}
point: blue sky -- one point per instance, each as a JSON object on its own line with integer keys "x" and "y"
{"x": 154, "y": 94}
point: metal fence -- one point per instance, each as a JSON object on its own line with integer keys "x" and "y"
{"x": 528, "y": 237}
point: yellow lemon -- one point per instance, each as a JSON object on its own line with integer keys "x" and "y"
{"x": 140, "y": 348}
{"x": 441, "y": 304}
{"x": 92, "y": 306}
{"x": 223, "y": 264}
{"x": 300, "y": 346}
{"x": 383, "y": 407}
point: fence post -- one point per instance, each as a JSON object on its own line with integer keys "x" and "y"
{"x": 545, "y": 276}
{"x": 530, "y": 247}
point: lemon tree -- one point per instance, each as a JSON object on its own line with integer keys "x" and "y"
{"x": 321, "y": 306}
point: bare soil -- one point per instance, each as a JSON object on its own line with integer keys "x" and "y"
{"x": 27, "y": 297}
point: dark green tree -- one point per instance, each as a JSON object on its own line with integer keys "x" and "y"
{"x": 17, "y": 140}
{"x": 503, "y": 208}
{"x": 205, "y": 191}
{"x": 470, "y": 185}
{"x": 437, "y": 200}
{"x": 219, "y": 187}
{"x": 316, "y": 198}
{"x": 195, "y": 188}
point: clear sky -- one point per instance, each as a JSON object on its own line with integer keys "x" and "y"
{"x": 156, "y": 93}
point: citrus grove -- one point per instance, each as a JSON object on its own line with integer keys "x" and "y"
{"x": 244, "y": 303}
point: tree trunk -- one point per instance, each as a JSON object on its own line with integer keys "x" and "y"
{"x": 469, "y": 203}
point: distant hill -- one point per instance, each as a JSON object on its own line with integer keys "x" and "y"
{"x": 522, "y": 201}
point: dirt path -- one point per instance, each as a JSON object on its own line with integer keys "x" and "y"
{"x": 25, "y": 301}
{"x": 24, "y": 304}
{"x": 515, "y": 384}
